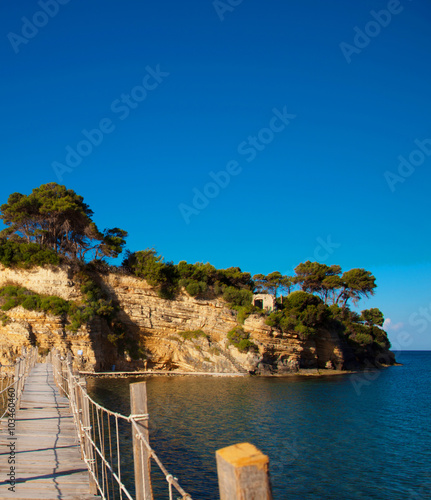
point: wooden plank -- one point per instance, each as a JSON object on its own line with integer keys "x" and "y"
{"x": 48, "y": 457}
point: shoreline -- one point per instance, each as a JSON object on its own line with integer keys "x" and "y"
{"x": 303, "y": 372}
{"x": 313, "y": 372}
{"x": 158, "y": 373}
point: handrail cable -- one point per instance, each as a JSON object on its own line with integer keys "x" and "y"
{"x": 23, "y": 366}
{"x": 99, "y": 431}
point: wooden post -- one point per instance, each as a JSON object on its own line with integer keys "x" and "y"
{"x": 70, "y": 388}
{"x": 16, "y": 387}
{"x": 61, "y": 377}
{"x": 21, "y": 381}
{"x": 54, "y": 367}
{"x": 138, "y": 404}
{"x": 21, "y": 372}
{"x": 78, "y": 403}
{"x": 86, "y": 423}
{"x": 243, "y": 473}
{"x": 69, "y": 358}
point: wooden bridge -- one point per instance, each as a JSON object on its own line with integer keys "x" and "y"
{"x": 57, "y": 443}
{"x": 48, "y": 463}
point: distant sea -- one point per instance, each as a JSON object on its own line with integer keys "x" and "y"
{"x": 353, "y": 436}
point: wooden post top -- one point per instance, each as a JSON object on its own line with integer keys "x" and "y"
{"x": 243, "y": 455}
{"x": 243, "y": 473}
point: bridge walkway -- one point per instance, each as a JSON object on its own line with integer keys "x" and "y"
{"x": 48, "y": 462}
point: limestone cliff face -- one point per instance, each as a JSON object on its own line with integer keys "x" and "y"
{"x": 158, "y": 324}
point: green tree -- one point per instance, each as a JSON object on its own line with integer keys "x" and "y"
{"x": 112, "y": 244}
{"x": 273, "y": 283}
{"x": 57, "y": 218}
{"x": 148, "y": 265}
{"x": 317, "y": 278}
{"x": 233, "y": 276}
{"x": 372, "y": 317}
{"x": 356, "y": 283}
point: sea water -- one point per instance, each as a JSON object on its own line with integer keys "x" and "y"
{"x": 353, "y": 436}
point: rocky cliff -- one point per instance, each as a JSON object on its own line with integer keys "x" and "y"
{"x": 158, "y": 326}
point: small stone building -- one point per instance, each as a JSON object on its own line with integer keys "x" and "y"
{"x": 264, "y": 301}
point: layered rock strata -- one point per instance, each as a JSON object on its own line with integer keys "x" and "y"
{"x": 157, "y": 325}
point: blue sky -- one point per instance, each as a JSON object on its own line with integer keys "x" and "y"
{"x": 217, "y": 78}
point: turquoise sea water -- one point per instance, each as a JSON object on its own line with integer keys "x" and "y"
{"x": 355, "y": 436}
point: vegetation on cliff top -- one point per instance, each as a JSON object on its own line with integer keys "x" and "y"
{"x": 306, "y": 314}
{"x": 53, "y": 225}
{"x": 58, "y": 220}
{"x": 199, "y": 280}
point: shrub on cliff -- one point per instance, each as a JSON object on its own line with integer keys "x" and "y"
{"x": 301, "y": 312}
{"x": 236, "y": 297}
{"x": 197, "y": 279}
{"x": 154, "y": 270}
{"x": 193, "y": 334}
{"x": 25, "y": 255}
{"x": 194, "y": 288}
{"x": 239, "y": 338}
{"x": 245, "y": 311}
{"x": 13, "y": 296}
{"x": 94, "y": 305}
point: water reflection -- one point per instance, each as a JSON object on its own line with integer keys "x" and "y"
{"x": 324, "y": 441}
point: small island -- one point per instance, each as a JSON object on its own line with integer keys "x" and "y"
{"x": 57, "y": 290}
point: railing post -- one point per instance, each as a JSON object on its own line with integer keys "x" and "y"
{"x": 21, "y": 381}
{"x": 16, "y": 378}
{"x": 138, "y": 403}
{"x": 60, "y": 373}
{"x": 86, "y": 426}
{"x": 243, "y": 473}
{"x": 55, "y": 366}
{"x": 78, "y": 409}
{"x": 70, "y": 388}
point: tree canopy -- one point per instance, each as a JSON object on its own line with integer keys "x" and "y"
{"x": 373, "y": 317}
{"x": 57, "y": 218}
{"x": 326, "y": 282}
{"x": 272, "y": 283}
{"x": 197, "y": 279}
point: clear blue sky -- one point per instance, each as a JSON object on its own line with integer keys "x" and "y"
{"x": 353, "y": 110}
